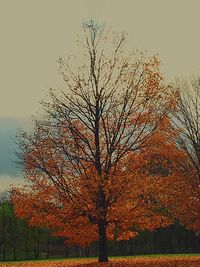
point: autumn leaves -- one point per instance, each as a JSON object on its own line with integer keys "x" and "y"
{"x": 176, "y": 261}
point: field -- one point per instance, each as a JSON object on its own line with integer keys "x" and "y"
{"x": 140, "y": 261}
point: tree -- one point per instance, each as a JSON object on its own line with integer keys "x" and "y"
{"x": 80, "y": 151}
{"x": 187, "y": 122}
{"x": 7, "y": 227}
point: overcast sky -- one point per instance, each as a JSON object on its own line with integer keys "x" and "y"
{"x": 35, "y": 33}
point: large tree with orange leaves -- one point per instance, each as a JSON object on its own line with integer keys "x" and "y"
{"x": 79, "y": 159}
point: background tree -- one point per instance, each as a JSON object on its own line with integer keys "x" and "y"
{"x": 5, "y": 221}
{"x": 113, "y": 103}
{"x": 187, "y": 122}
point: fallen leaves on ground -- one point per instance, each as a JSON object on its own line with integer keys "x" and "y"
{"x": 118, "y": 262}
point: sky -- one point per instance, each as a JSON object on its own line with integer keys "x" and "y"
{"x": 35, "y": 33}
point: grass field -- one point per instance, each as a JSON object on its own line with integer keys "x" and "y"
{"x": 169, "y": 260}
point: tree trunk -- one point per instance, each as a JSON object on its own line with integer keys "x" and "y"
{"x": 130, "y": 249}
{"x": 103, "y": 256}
{"x": 171, "y": 240}
{"x": 66, "y": 251}
{"x": 26, "y": 247}
{"x": 4, "y": 250}
{"x": 87, "y": 251}
{"x": 14, "y": 249}
{"x": 155, "y": 242}
{"x": 37, "y": 249}
{"x": 186, "y": 242}
{"x": 77, "y": 252}
{"x": 48, "y": 247}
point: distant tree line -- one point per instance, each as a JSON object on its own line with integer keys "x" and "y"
{"x": 18, "y": 241}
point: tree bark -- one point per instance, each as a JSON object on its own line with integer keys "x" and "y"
{"x": 103, "y": 256}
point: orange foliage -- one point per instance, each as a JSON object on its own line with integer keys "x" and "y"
{"x": 137, "y": 196}
{"x": 185, "y": 198}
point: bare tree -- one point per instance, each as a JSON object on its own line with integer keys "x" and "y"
{"x": 187, "y": 120}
